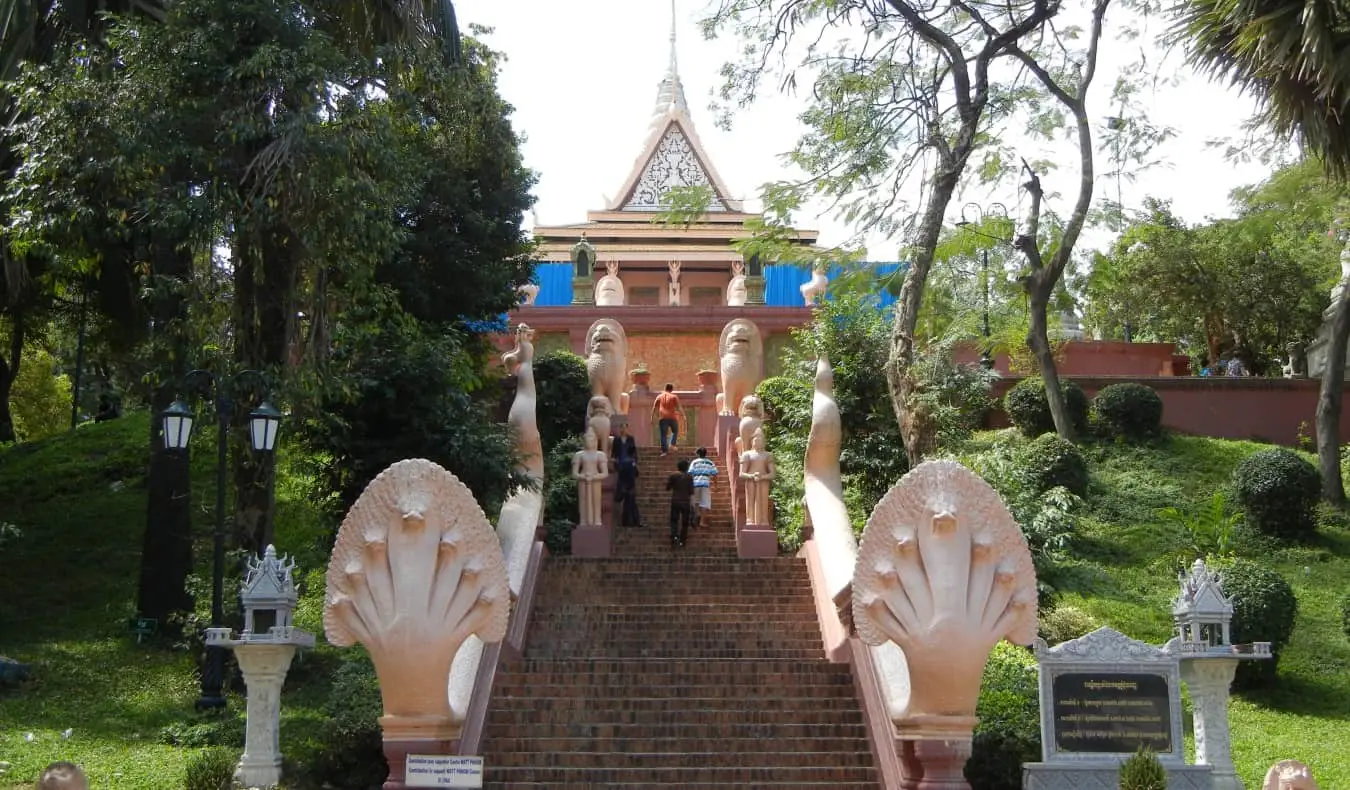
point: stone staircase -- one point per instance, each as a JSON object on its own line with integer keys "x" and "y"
{"x": 665, "y": 667}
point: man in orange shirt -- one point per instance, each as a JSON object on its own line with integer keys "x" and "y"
{"x": 667, "y": 409}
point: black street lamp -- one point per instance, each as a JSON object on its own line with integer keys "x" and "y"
{"x": 981, "y": 213}
{"x": 264, "y": 422}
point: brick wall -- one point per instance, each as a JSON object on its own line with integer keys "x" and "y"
{"x": 674, "y": 357}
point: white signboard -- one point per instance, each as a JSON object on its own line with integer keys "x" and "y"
{"x": 425, "y": 770}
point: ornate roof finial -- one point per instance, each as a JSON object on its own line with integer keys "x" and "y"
{"x": 670, "y": 96}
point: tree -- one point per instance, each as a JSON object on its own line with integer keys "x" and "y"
{"x": 912, "y": 89}
{"x": 1290, "y": 56}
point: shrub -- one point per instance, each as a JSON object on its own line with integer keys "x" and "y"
{"x": 1143, "y": 771}
{"x": 1050, "y": 461}
{"x": 1066, "y": 622}
{"x": 212, "y": 729}
{"x": 1279, "y": 492}
{"x": 560, "y": 495}
{"x": 1345, "y": 614}
{"x": 1131, "y": 410}
{"x": 351, "y": 747}
{"x": 212, "y": 769}
{"x": 562, "y": 390}
{"x": 1264, "y": 610}
{"x": 1009, "y": 729}
{"x": 1029, "y": 410}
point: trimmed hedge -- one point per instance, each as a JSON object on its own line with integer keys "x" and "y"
{"x": 1050, "y": 460}
{"x": 1009, "y": 729}
{"x": 1264, "y": 610}
{"x": 1029, "y": 410}
{"x": 1278, "y": 490}
{"x": 1131, "y": 411}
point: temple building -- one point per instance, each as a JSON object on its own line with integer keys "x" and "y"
{"x": 672, "y": 287}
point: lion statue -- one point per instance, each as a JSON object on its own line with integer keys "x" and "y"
{"x": 742, "y": 351}
{"x": 609, "y": 292}
{"x": 1289, "y": 775}
{"x": 752, "y": 417}
{"x": 598, "y": 412}
{"x": 606, "y": 361}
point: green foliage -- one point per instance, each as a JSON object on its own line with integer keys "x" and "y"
{"x": 561, "y": 511}
{"x": 397, "y": 391}
{"x": 1028, "y": 408}
{"x": 1279, "y": 492}
{"x": 1132, "y": 411}
{"x": 1143, "y": 771}
{"x": 215, "y": 729}
{"x": 351, "y": 747}
{"x": 1048, "y": 518}
{"x": 562, "y": 390}
{"x": 40, "y": 398}
{"x": 1264, "y": 610}
{"x": 787, "y": 409}
{"x": 1208, "y": 530}
{"x": 1050, "y": 461}
{"x": 1345, "y": 615}
{"x": 948, "y": 398}
{"x": 1066, "y": 622}
{"x": 210, "y": 769}
{"x": 1169, "y": 280}
{"x": 1009, "y": 729}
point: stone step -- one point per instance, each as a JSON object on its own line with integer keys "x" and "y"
{"x": 699, "y": 754}
{"x": 766, "y": 732}
{"x": 629, "y": 785}
{"x": 683, "y": 776}
{"x": 726, "y": 694}
{"x": 646, "y": 744}
{"x": 558, "y": 711}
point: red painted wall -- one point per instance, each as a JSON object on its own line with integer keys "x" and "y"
{"x": 1267, "y": 410}
{"x": 1102, "y": 358}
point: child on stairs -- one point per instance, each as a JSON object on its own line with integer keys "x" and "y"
{"x": 703, "y": 470}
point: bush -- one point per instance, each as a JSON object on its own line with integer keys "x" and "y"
{"x": 211, "y": 729}
{"x": 212, "y": 769}
{"x": 1029, "y": 409}
{"x": 1264, "y": 610}
{"x": 1345, "y": 614}
{"x": 1278, "y": 490}
{"x": 1009, "y": 730}
{"x": 1066, "y": 622}
{"x": 1143, "y": 771}
{"x": 1131, "y": 411}
{"x": 351, "y": 747}
{"x": 562, "y": 390}
{"x": 1050, "y": 461}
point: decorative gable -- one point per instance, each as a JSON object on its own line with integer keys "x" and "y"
{"x": 674, "y": 163}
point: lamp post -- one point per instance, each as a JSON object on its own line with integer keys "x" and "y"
{"x": 981, "y": 213}
{"x": 264, "y": 422}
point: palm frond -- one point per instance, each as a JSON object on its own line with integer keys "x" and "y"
{"x": 1292, "y": 55}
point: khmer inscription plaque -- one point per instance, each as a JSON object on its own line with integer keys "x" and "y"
{"x": 1112, "y": 712}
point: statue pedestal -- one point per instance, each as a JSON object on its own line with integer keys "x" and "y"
{"x": 1208, "y": 680}
{"x": 756, "y": 541}
{"x": 933, "y": 751}
{"x": 264, "y": 668}
{"x": 596, "y": 541}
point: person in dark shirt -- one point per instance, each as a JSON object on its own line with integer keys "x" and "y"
{"x": 681, "y": 487}
{"x": 625, "y": 492}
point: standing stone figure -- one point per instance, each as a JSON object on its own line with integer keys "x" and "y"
{"x": 590, "y": 467}
{"x": 674, "y": 283}
{"x": 737, "y": 292}
{"x": 598, "y": 412}
{"x": 757, "y": 471}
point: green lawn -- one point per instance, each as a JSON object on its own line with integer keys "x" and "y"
{"x": 66, "y": 592}
{"x": 1117, "y": 578}
{"x": 68, "y": 586}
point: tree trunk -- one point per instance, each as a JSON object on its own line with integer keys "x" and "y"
{"x": 919, "y": 433}
{"x": 272, "y": 303}
{"x": 166, "y": 549}
{"x": 1038, "y": 340}
{"x": 9, "y": 372}
{"x": 1329, "y": 401}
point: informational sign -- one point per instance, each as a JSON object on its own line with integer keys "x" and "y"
{"x": 1112, "y": 712}
{"x": 424, "y": 770}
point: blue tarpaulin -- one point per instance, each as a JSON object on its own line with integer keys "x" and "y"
{"x": 783, "y": 283}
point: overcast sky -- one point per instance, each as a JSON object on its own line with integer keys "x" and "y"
{"x": 583, "y": 77}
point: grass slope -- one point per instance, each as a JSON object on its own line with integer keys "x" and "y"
{"x": 1118, "y": 578}
{"x": 67, "y": 589}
